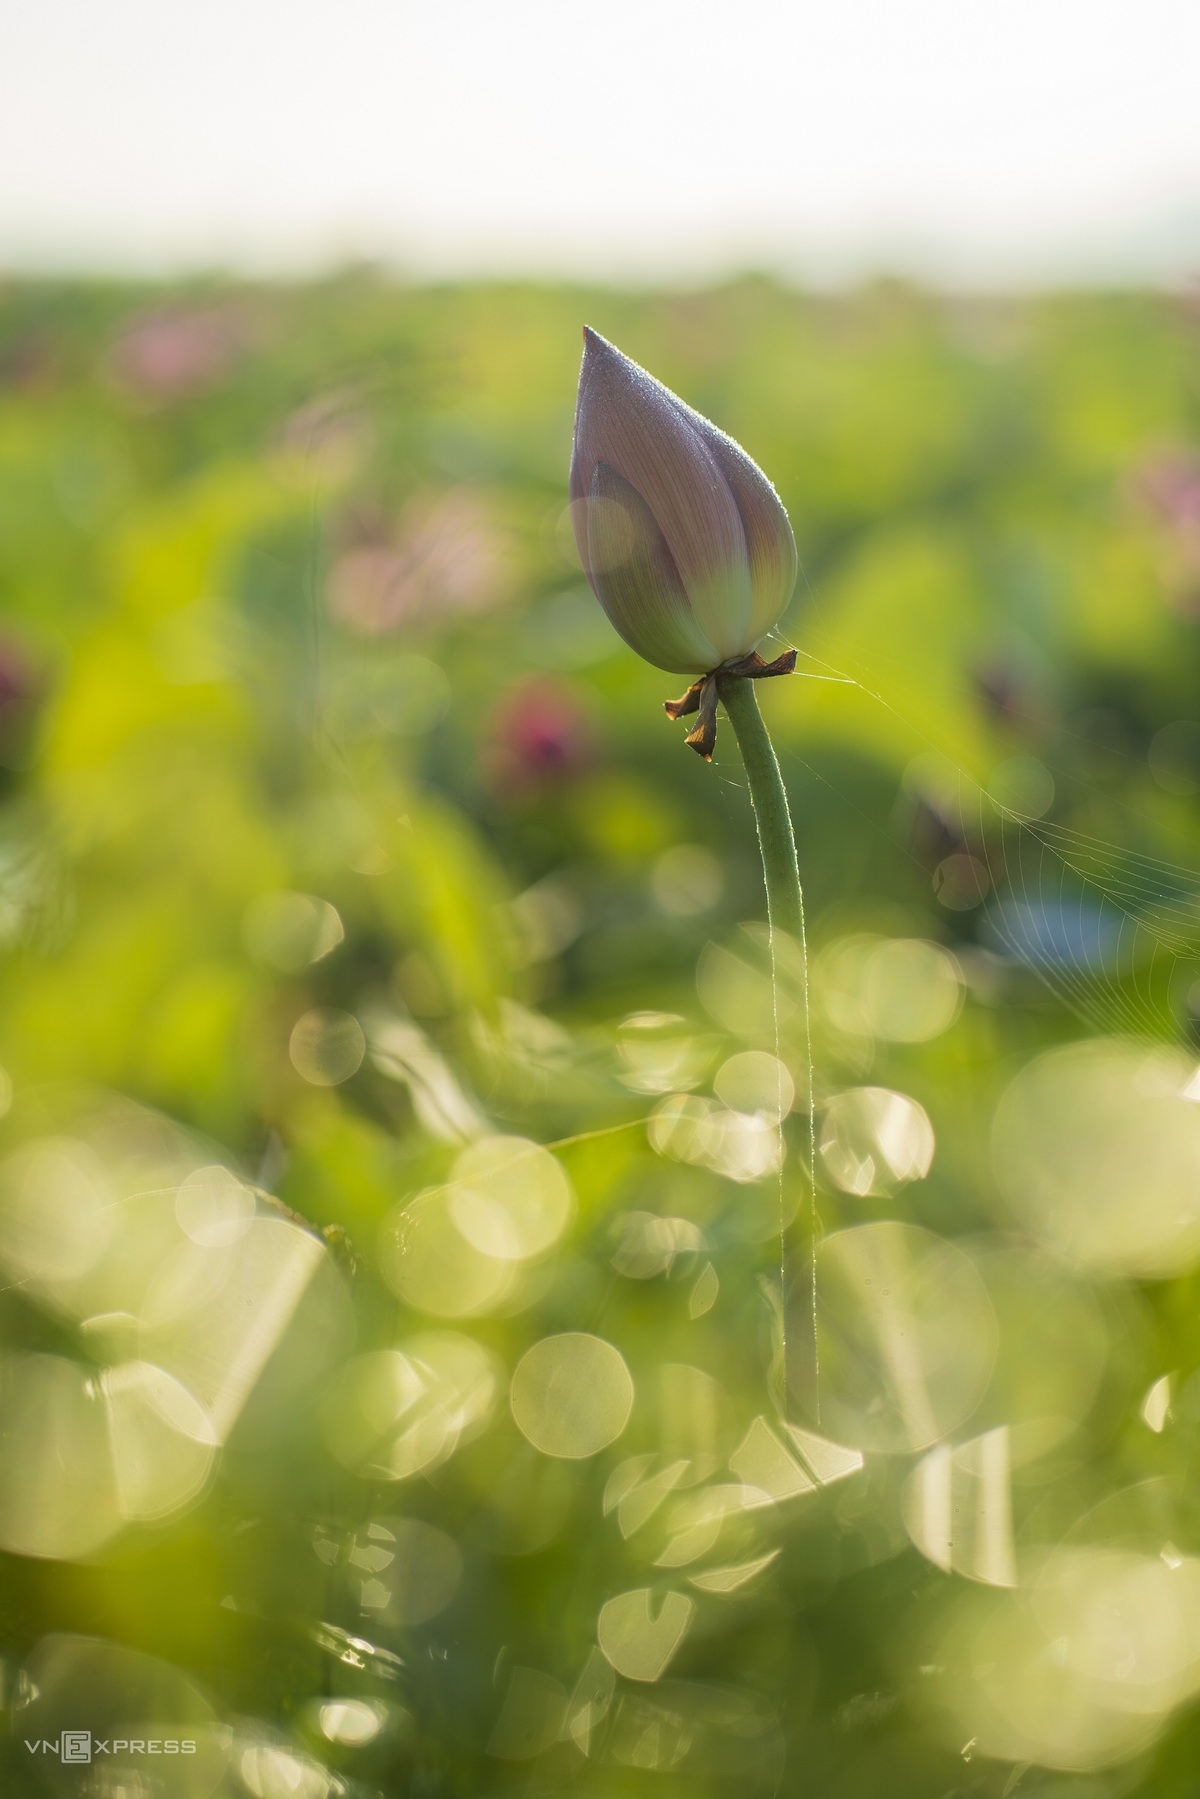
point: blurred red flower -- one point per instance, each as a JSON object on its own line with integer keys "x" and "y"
{"x": 540, "y": 737}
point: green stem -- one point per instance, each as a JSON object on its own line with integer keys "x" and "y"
{"x": 776, "y": 839}
{"x": 785, "y": 912}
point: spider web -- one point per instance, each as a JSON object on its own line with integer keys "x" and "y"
{"x": 1112, "y": 933}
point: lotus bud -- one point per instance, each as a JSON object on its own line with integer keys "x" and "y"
{"x": 684, "y": 541}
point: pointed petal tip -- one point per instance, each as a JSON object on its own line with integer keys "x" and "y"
{"x": 594, "y": 344}
{"x": 595, "y": 349}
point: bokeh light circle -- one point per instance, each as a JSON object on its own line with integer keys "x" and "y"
{"x": 572, "y": 1395}
{"x": 640, "y": 1632}
{"x": 58, "y": 1497}
{"x": 903, "y": 989}
{"x": 911, "y": 990}
{"x": 1078, "y": 1672}
{"x": 753, "y": 1081}
{"x": 56, "y": 1212}
{"x": 290, "y": 931}
{"x": 428, "y": 1262}
{"x": 213, "y": 1207}
{"x": 327, "y": 1046}
{"x": 906, "y": 1337}
{"x": 873, "y": 1140}
{"x": 350, "y": 1722}
{"x": 412, "y": 1570}
{"x": 510, "y": 1198}
{"x": 1096, "y": 1148}
{"x": 391, "y": 1413}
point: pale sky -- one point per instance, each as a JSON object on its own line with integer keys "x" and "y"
{"x": 1004, "y": 142}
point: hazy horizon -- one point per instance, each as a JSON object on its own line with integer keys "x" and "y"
{"x": 671, "y": 142}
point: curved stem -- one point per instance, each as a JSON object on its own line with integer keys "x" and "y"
{"x": 776, "y": 838}
{"x": 785, "y": 913}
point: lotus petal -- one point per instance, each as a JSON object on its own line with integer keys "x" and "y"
{"x": 634, "y": 424}
{"x": 769, "y": 541}
{"x": 636, "y": 581}
{"x": 684, "y": 540}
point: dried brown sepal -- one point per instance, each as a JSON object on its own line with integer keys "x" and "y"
{"x": 753, "y": 668}
{"x": 703, "y": 694}
{"x": 689, "y": 703}
{"x": 703, "y": 736}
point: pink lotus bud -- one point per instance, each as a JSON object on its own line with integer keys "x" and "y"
{"x": 685, "y": 542}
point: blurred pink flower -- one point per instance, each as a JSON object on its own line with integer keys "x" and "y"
{"x": 540, "y": 737}
{"x": 167, "y": 353}
{"x": 447, "y": 559}
{"x": 1166, "y": 484}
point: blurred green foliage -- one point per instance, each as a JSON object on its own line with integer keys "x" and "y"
{"x": 340, "y": 834}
